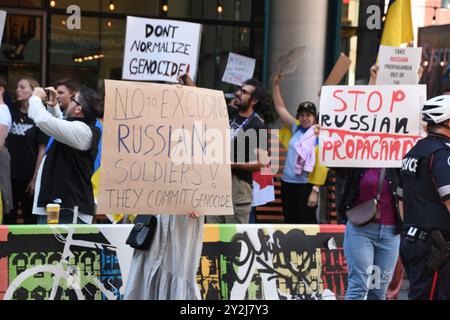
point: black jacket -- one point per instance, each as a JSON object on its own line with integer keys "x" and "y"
{"x": 348, "y": 194}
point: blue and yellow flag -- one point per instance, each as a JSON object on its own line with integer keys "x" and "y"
{"x": 398, "y": 27}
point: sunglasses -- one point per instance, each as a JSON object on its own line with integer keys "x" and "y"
{"x": 244, "y": 91}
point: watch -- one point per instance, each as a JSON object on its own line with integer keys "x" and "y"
{"x": 316, "y": 189}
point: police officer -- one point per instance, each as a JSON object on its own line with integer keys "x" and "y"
{"x": 425, "y": 189}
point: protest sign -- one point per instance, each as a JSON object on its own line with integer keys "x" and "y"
{"x": 369, "y": 126}
{"x": 288, "y": 63}
{"x": 160, "y": 50}
{"x": 239, "y": 68}
{"x": 2, "y": 23}
{"x": 163, "y": 150}
{"x": 398, "y": 65}
{"x": 339, "y": 70}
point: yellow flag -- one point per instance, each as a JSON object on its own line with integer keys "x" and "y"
{"x": 398, "y": 27}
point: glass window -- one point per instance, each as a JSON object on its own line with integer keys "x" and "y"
{"x": 137, "y": 7}
{"x": 217, "y": 42}
{"x": 20, "y": 52}
{"x": 90, "y": 54}
{"x": 236, "y": 10}
{"x": 22, "y": 3}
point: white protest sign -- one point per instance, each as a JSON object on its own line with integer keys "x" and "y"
{"x": 2, "y": 23}
{"x": 165, "y": 150}
{"x": 369, "y": 126}
{"x": 398, "y": 65}
{"x": 160, "y": 50}
{"x": 239, "y": 68}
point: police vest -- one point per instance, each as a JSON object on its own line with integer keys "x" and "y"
{"x": 422, "y": 205}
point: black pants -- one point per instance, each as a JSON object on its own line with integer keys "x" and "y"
{"x": 414, "y": 256}
{"x": 26, "y": 203}
{"x": 294, "y": 198}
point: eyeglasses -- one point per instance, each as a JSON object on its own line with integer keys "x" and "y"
{"x": 244, "y": 91}
{"x": 75, "y": 101}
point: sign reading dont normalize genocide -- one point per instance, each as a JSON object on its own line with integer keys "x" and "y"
{"x": 369, "y": 126}
{"x": 166, "y": 150}
{"x": 160, "y": 50}
{"x": 398, "y": 65}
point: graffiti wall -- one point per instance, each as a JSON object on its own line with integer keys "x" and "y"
{"x": 238, "y": 262}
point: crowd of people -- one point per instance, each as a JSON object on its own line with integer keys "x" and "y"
{"x": 49, "y": 142}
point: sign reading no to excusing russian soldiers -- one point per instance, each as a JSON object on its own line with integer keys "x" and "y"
{"x": 160, "y": 50}
{"x": 369, "y": 126}
{"x": 165, "y": 150}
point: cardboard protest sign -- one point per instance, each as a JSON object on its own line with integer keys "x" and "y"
{"x": 160, "y": 50}
{"x": 398, "y": 65}
{"x": 239, "y": 68}
{"x": 369, "y": 126}
{"x": 166, "y": 150}
{"x": 2, "y": 23}
{"x": 339, "y": 70}
{"x": 288, "y": 63}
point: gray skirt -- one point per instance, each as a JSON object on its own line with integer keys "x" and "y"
{"x": 167, "y": 271}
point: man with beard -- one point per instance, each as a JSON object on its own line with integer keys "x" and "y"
{"x": 249, "y": 138}
{"x": 248, "y": 133}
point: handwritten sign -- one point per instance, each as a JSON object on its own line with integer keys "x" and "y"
{"x": 2, "y": 23}
{"x": 369, "y": 126}
{"x": 160, "y": 50}
{"x": 288, "y": 63}
{"x": 163, "y": 150}
{"x": 398, "y": 65}
{"x": 338, "y": 72}
{"x": 239, "y": 68}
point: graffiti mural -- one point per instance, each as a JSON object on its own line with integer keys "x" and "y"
{"x": 253, "y": 262}
{"x": 276, "y": 262}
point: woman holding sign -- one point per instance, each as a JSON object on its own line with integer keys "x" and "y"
{"x": 302, "y": 174}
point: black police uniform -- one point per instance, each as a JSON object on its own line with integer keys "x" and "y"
{"x": 424, "y": 187}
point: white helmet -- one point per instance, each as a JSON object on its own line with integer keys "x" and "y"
{"x": 437, "y": 109}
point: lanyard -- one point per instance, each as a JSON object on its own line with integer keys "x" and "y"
{"x": 234, "y": 133}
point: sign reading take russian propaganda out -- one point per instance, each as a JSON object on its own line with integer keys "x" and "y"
{"x": 369, "y": 126}
{"x": 160, "y": 50}
{"x": 239, "y": 68}
{"x": 398, "y": 65}
{"x": 166, "y": 150}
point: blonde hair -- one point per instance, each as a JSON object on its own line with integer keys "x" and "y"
{"x": 32, "y": 82}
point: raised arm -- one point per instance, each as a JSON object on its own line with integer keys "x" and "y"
{"x": 280, "y": 107}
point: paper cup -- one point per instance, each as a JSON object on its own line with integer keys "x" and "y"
{"x": 53, "y": 213}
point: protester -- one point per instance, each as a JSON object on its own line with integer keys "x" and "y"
{"x": 26, "y": 144}
{"x": 5, "y": 172}
{"x": 167, "y": 271}
{"x": 425, "y": 190}
{"x": 375, "y": 244}
{"x": 66, "y": 171}
{"x": 65, "y": 89}
{"x": 247, "y": 156}
{"x": 299, "y": 196}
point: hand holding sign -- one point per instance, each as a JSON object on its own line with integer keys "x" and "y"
{"x": 288, "y": 63}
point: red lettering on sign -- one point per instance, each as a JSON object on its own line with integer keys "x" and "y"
{"x": 344, "y": 107}
{"x": 356, "y": 93}
{"x": 397, "y": 96}
{"x": 380, "y": 101}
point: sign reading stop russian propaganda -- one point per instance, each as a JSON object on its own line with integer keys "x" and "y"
{"x": 369, "y": 126}
{"x": 160, "y": 50}
{"x": 165, "y": 150}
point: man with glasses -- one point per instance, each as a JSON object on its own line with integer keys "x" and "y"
{"x": 248, "y": 150}
{"x": 65, "y": 173}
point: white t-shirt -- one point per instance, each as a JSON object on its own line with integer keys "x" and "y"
{"x": 5, "y": 116}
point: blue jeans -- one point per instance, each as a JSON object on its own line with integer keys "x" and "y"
{"x": 371, "y": 252}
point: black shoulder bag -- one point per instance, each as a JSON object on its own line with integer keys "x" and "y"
{"x": 143, "y": 232}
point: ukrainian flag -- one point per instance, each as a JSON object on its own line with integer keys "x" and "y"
{"x": 398, "y": 27}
